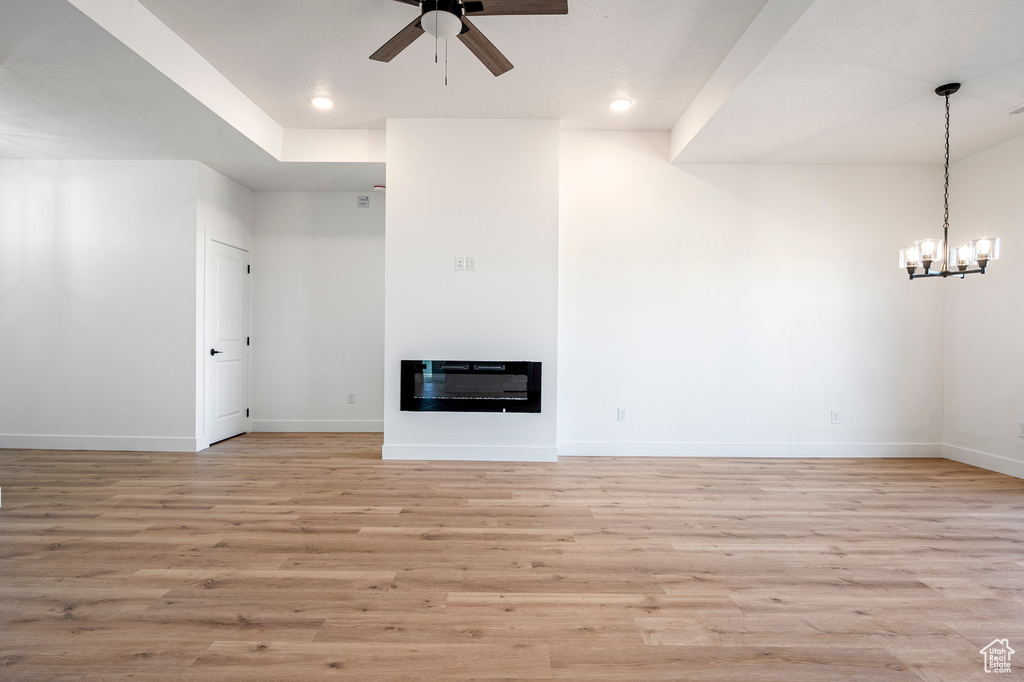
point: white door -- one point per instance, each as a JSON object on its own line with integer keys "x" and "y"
{"x": 227, "y": 327}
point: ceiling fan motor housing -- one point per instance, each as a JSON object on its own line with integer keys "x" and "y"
{"x": 450, "y": 6}
{"x": 442, "y": 18}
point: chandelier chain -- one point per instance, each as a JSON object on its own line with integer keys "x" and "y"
{"x": 945, "y": 217}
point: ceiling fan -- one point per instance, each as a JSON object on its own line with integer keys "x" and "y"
{"x": 450, "y": 18}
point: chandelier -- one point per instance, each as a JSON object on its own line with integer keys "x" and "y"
{"x": 929, "y": 253}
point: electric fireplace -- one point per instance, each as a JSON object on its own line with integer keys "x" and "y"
{"x": 470, "y": 386}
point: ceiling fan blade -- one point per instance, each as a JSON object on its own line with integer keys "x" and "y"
{"x": 402, "y": 40}
{"x": 484, "y": 49}
{"x": 482, "y": 8}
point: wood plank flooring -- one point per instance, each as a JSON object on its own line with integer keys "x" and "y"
{"x": 306, "y": 557}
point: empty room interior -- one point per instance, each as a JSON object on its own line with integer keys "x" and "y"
{"x": 511, "y": 339}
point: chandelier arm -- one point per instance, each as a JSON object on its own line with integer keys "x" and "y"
{"x": 949, "y": 273}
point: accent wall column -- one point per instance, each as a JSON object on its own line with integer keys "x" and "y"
{"x": 476, "y": 188}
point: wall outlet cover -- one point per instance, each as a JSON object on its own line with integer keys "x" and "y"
{"x": 836, "y": 417}
{"x": 621, "y": 414}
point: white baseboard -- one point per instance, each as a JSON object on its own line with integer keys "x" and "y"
{"x": 611, "y": 449}
{"x": 472, "y": 453}
{"x": 984, "y": 460}
{"x": 997, "y": 463}
{"x": 104, "y": 443}
{"x": 317, "y": 426}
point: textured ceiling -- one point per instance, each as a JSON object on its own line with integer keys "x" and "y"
{"x": 854, "y": 82}
{"x": 850, "y": 82}
{"x": 658, "y": 53}
{"x": 69, "y": 90}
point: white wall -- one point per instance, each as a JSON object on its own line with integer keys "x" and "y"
{"x": 729, "y": 309}
{"x": 224, "y": 209}
{"x": 479, "y": 188}
{"x": 97, "y": 304}
{"x": 984, "y": 361}
{"x": 318, "y": 318}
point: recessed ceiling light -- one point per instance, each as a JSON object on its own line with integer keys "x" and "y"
{"x": 323, "y": 102}
{"x": 621, "y": 104}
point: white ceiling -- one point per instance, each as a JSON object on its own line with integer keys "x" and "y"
{"x": 850, "y": 82}
{"x": 854, "y": 82}
{"x": 69, "y": 90}
{"x": 658, "y": 53}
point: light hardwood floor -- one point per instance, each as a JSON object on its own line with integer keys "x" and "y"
{"x": 287, "y": 556}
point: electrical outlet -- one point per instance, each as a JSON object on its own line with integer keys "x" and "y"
{"x": 351, "y": 398}
{"x": 471, "y": 263}
{"x": 837, "y": 418}
{"x": 460, "y": 263}
{"x": 622, "y": 414}
{"x": 364, "y": 202}
{"x": 1020, "y": 429}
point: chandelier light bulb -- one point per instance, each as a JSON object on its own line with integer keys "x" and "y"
{"x": 932, "y": 252}
{"x": 985, "y": 250}
{"x": 910, "y": 258}
{"x": 961, "y": 256}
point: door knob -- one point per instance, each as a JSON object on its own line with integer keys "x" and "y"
{"x": 215, "y": 352}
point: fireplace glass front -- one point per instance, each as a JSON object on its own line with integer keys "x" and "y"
{"x": 467, "y": 386}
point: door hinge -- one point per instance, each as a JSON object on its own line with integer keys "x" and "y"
{"x": 247, "y": 412}
{"x": 248, "y": 268}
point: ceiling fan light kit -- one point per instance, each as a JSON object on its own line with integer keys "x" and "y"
{"x": 937, "y": 252}
{"x": 446, "y": 19}
{"x": 442, "y": 18}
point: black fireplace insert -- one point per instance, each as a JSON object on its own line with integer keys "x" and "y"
{"x": 470, "y": 386}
